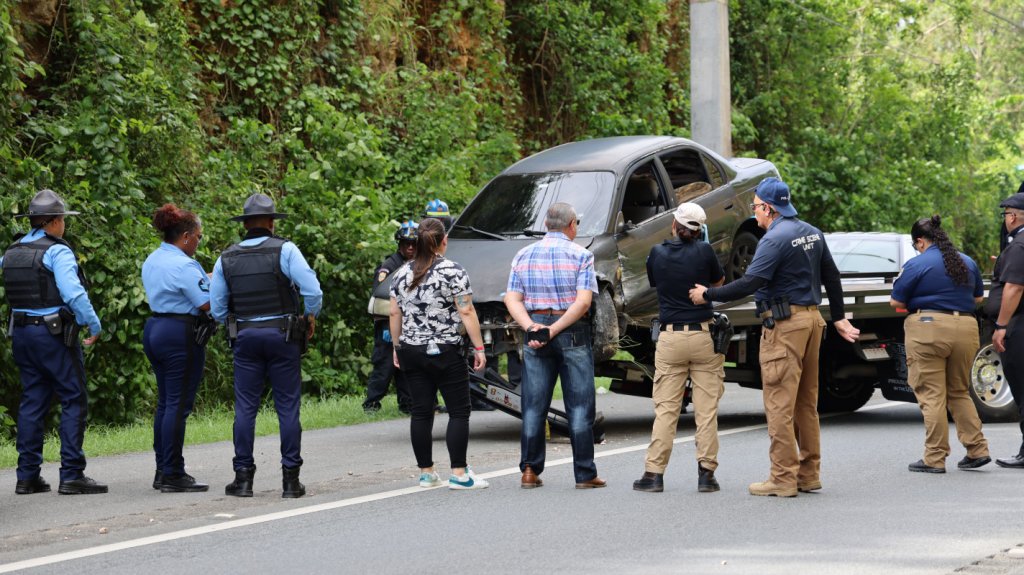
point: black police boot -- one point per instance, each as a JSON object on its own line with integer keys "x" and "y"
{"x": 81, "y": 486}
{"x": 650, "y": 482}
{"x": 242, "y": 485}
{"x": 291, "y": 488}
{"x": 158, "y": 479}
{"x": 30, "y": 486}
{"x": 706, "y": 482}
{"x": 183, "y": 483}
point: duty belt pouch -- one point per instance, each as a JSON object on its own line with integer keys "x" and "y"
{"x": 781, "y": 309}
{"x": 54, "y": 323}
{"x": 721, "y": 332}
{"x": 232, "y": 330}
{"x": 655, "y": 329}
{"x": 203, "y": 328}
{"x": 70, "y": 327}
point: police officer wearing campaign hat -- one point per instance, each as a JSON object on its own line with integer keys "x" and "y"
{"x": 255, "y": 291}
{"x": 382, "y": 360}
{"x": 790, "y": 265}
{"x": 684, "y": 350}
{"x": 1005, "y": 307}
{"x": 174, "y": 339}
{"x": 45, "y": 289}
{"x": 941, "y": 288}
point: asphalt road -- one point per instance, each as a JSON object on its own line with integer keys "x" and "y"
{"x": 364, "y": 513}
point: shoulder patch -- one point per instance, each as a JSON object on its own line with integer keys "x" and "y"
{"x": 382, "y": 275}
{"x": 204, "y": 285}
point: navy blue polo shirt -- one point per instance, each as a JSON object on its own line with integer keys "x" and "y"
{"x": 790, "y": 257}
{"x": 675, "y": 266}
{"x": 924, "y": 284}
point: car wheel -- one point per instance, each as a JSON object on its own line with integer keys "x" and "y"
{"x": 742, "y": 253}
{"x": 606, "y": 327}
{"x": 841, "y": 395}
{"x": 989, "y": 388}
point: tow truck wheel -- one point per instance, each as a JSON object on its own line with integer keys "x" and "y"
{"x": 839, "y": 395}
{"x": 989, "y": 388}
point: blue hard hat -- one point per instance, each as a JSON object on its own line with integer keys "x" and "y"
{"x": 407, "y": 232}
{"x": 437, "y": 209}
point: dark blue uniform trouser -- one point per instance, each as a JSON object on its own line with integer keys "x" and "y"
{"x": 383, "y": 370}
{"x": 46, "y": 367}
{"x": 262, "y": 353}
{"x": 178, "y": 364}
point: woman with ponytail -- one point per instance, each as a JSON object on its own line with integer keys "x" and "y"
{"x": 430, "y": 298}
{"x": 178, "y": 291}
{"x": 940, "y": 289}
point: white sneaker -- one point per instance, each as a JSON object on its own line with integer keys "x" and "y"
{"x": 467, "y": 481}
{"x": 430, "y": 479}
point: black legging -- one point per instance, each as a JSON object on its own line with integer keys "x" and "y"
{"x": 425, "y": 375}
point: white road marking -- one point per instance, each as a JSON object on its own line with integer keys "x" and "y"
{"x": 154, "y": 539}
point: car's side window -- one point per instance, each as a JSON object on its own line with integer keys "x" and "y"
{"x": 644, "y": 197}
{"x": 688, "y": 171}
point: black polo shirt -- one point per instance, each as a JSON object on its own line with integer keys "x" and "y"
{"x": 675, "y": 266}
{"x": 1009, "y": 268}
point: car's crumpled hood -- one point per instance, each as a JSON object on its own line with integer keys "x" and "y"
{"x": 488, "y": 263}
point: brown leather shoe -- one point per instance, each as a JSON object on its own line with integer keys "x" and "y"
{"x": 530, "y": 479}
{"x": 592, "y": 484}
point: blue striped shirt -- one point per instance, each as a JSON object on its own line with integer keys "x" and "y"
{"x": 551, "y": 271}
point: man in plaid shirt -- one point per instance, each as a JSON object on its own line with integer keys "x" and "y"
{"x": 549, "y": 293}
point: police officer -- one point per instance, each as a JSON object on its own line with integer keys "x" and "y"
{"x": 940, "y": 288}
{"x": 45, "y": 289}
{"x": 437, "y": 208}
{"x": 255, "y": 290}
{"x": 383, "y": 366}
{"x": 684, "y": 350}
{"x": 178, "y": 291}
{"x": 790, "y": 265}
{"x": 1004, "y": 304}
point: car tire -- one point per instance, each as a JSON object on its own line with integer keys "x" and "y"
{"x": 605, "y": 327}
{"x": 989, "y": 389}
{"x": 743, "y": 248}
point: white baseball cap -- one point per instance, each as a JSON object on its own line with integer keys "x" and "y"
{"x": 691, "y": 216}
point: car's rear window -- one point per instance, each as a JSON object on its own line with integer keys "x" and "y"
{"x": 865, "y": 255}
{"x": 512, "y": 203}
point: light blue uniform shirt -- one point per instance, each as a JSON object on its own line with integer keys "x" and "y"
{"x": 60, "y": 260}
{"x": 293, "y": 266}
{"x": 174, "y": 281}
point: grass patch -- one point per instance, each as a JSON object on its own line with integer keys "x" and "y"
{"x": 211, "y": 426}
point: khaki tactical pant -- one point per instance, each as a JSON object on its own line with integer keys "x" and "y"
{"x": 789, "y": 375}
{"x": 940, "y": 351}
{"x": 681, "y": 355}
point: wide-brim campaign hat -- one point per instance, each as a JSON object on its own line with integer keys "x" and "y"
{"x": 46, "y": 203}
{"x": 259, "y": 205}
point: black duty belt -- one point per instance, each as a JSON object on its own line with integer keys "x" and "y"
{"x": 280, "y": 323}
{"x": 698, "y": 326}
{"x": 21, "y": 319}
{"x": 946, "y": 312}
{"x": 181, "y": 316}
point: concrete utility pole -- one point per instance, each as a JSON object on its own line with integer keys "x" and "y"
{"x": 710, "y": 101}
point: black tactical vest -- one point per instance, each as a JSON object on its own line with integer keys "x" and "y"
{"x": 256, "y": 283}
{"x": 29, "y": 285}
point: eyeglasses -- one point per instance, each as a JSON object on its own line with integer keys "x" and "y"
{"x": 1005, "y": 213}
{"x": 753, "y": 206}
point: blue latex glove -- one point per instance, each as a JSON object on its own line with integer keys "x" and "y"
{"x": 386, "y": 336}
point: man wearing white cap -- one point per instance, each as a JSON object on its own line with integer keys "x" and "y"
{"x": 685, "y": 349}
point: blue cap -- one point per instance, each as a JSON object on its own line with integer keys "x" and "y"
{"x": 407, "y": 232}
{"x": 437, "y": 209}
{"x": 775, "y": 192}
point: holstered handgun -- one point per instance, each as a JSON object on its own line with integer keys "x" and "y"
{"x": 69, "y": 328}
{"x": 721, "y": 332}
{"x": 764, "y": 311}
{"x": 203, "y": 328}
{"x": 297, "y": 330}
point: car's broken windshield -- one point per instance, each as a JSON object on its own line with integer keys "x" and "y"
{"x": 512, "y": 204}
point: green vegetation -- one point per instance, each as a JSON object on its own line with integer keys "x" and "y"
{"x": 355, "y": 113}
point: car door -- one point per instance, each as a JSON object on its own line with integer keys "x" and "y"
{"x": 686, "y": 167}
{"x": 646, "y": 219}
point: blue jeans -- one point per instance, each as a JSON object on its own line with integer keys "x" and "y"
{"x": 568, "y": 356}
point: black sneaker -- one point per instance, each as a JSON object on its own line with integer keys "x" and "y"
{"x": 920, "y": 467}
{"x": 183, "y": 483}
{"x": 30, "y": 486}
{"x": 81, "y": 486}
{"x": 973, "y": 462}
